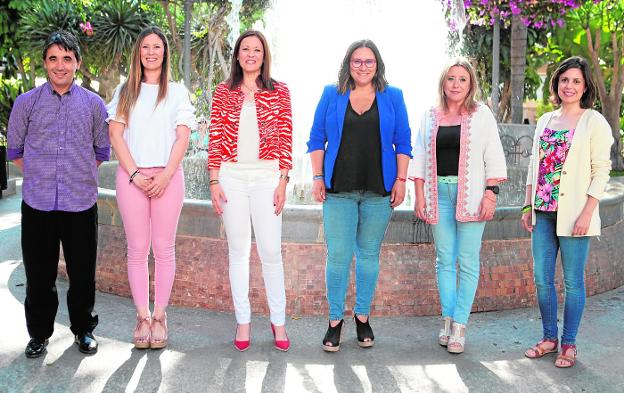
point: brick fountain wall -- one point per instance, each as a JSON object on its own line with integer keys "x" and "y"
{"x": 407, "y": 283}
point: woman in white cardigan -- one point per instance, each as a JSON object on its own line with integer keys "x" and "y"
{"x": 568, "y": 172}
{"x": 458, "y": 163}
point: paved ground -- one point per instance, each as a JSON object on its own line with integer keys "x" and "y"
{"x": 201, "y": 358}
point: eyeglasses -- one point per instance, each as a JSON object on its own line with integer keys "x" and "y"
{"x": 369, "y": 63}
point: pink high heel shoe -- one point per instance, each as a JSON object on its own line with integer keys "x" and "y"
{"x": 242, "y": 345}
{"x": 280, "y": 345}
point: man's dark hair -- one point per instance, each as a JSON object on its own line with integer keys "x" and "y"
{"x": 65, "y": 40}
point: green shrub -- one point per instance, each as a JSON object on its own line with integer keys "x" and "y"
{"x": 543, "y": 108}
{"x": 9, "y": 90}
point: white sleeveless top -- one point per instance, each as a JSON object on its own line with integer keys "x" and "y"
{"x": 248, "y": 134}
{"x": 249, "y": 143}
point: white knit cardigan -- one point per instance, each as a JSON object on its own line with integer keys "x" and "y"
{"x": 481, "y": 158}
{"x": 585, "y": 170}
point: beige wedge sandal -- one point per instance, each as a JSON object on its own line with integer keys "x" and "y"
{"x": 445, "y": 332}
{"x": 457, "y": 340}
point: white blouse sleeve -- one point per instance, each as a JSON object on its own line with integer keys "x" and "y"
{"x": 185, "y": 111}
{"x": 111, "y": 107}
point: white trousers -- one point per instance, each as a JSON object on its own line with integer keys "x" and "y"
{"x": 249, "y": 192}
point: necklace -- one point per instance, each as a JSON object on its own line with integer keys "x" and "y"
{"x": 249, "y": 93}
{"x": 249, "y": 90}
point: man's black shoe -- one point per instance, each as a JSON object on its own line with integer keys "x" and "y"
{"x": 36, "y": 347}
{"x": 86, "y": 343}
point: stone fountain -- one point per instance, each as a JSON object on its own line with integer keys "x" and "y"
{"x": 407, "y": 283}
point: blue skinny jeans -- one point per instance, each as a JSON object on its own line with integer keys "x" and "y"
{"x": 574, "y": 253}
{"x": 353, "y": 222}
{"x": 456, "y": 242}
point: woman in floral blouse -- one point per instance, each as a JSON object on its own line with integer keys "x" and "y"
{"x": 568, "y": 172}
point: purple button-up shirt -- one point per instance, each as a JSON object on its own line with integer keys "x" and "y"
{"x": 60, "y": 138}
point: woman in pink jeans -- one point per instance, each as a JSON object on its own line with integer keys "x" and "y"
{"x": 149, "y": 122}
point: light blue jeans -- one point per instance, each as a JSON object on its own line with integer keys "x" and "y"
{"x": 456, "y": 242}
{"x": 353, "y": 222}
{"x": 574, "y": 253}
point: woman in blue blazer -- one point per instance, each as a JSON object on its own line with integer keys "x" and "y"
{"x": 360, "y": 149}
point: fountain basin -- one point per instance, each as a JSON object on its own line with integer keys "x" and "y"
{"x": 407, "y": 281}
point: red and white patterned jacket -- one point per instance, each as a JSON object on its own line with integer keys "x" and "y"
{"x": 274, "y": 124}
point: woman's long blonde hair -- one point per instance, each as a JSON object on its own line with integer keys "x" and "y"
{"x": 131, "y": 88}
{"x": 470, "y": 103}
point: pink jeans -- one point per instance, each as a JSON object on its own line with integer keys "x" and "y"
{"x": 150, "y": 220}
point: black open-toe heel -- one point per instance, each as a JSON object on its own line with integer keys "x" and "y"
{"x": 331, "y": 342}
{"x": 366, "y": 338}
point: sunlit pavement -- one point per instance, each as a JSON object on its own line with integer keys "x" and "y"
{"x": 201, "y": 358}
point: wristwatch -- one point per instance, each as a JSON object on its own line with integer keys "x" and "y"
{"x": 494, "y": 189}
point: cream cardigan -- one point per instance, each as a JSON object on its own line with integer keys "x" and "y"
{"x": 481, "y": 157}
{"x": 585, "y": 170}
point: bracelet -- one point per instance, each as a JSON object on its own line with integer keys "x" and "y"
{"x": 213, "y": 182}
{"x": 285, "y": 177}
{"x": 526, "y": 209}
{"x": 318, "y": 177}
{"x": 401, "y": 179}
{"x": 133, "y": 175}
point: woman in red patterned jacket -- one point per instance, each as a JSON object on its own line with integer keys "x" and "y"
{"x": 249, "y": 156}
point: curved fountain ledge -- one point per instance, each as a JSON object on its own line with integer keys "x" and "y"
{"x": 407, "y": 284}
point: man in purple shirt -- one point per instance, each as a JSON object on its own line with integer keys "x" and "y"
{"x": 58, "y": 136}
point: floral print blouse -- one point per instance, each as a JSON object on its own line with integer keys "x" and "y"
{"x": 553, "y": 149}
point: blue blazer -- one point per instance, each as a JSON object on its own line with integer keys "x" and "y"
{"x": 326, "y": 132}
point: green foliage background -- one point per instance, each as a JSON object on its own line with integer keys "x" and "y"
{"x": 25, "y": 24}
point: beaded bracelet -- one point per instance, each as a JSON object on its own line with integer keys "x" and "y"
{"x": 133, "y": 175}
{"x": 213, "y": 182}
{"x": 526, "y": 209}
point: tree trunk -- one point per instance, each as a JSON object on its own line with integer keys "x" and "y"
{"x": 188, "y": 7}
{"x": 212, "y": 55}
{"x": 611, "y": 100}
{"x": 495, "y": 66}
{"x": 108, "y": 78}
{"x": 225, "y": 67}
{"x": 504, "y": 110}
{"x": 175, "y": 43}
{"x": 518, "y": 66}
{"x": 612, "y": 114}
{"x": 26, "y": 80}
{"x": 33, "y": 75}
{"x": 86, "y": 83}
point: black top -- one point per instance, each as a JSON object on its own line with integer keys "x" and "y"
{"x": 358, "y": 165}
{"x": 447, "y": 150}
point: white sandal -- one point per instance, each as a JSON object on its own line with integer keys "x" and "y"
{"x": 445, "y": 332}
{"x": 457, "y": 340}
